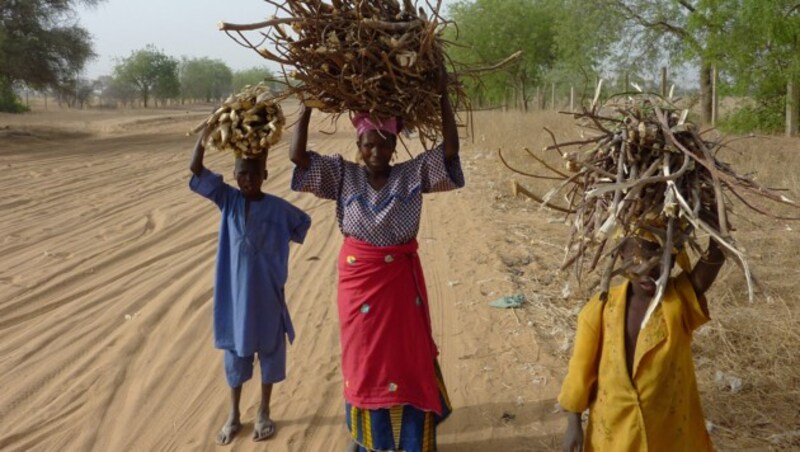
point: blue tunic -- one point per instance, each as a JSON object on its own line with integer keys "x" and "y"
{"x": 250, "y": 314}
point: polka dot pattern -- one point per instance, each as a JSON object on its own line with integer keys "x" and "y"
{"x": 385, "y": 217}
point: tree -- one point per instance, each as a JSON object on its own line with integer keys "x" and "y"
{"x": 204, "y": 78}
{"x": 760, "y": 53}
{"x": 586, "y": 36}
{"x": 41, "y": 45}
{"x": 113, "y": 92}
{"x": 490, "y": 30}
{"x": 254, "y": 75}
{"x": 75, "y": 92}
{"x": 659, "y": 29}
{"x": 151, "y": 73}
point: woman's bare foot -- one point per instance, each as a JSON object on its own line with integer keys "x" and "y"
{"x": 264, "y": 427}
{"x": 228, "y": 431}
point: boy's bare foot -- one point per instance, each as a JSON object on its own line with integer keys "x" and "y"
{"x": 264, "y": 427}
{"x": 228, "y": 431}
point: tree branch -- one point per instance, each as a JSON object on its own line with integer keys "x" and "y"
{"x": 686, "y": 5}
{"x": 657, "y": 24}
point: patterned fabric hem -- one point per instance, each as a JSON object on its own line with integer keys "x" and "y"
{"x": 399, "y": 428}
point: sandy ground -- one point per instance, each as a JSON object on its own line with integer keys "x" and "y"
{"x": 106, "y": 270}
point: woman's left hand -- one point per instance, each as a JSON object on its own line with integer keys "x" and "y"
{"x": 442, "y": 78}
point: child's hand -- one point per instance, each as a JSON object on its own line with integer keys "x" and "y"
{"x": 573, "y": 439}
{"x": 710, "y": 217}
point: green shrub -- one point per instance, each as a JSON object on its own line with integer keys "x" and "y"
{"x": 9, "y": 102}
{"x": 765, "y": 117}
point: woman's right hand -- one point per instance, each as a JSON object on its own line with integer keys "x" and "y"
{"x": 297, "y": 149}
{"x": 573, "y": 438}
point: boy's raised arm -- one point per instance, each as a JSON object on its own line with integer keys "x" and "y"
{"x": 197, "y": 157}
{"x": 297, "y": 150}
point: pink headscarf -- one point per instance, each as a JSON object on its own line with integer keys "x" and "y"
{"x": 364, "y": 123}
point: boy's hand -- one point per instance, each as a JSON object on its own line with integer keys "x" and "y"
{"x": 573, "y": 438}
{"x": 201, "y": 139}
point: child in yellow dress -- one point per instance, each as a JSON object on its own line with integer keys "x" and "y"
{"x": 637, "y": 381}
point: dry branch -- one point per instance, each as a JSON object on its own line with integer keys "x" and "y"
{"x": 375, "y": 56}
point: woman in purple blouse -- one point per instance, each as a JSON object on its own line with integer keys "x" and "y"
{"x": 393, "y": 388}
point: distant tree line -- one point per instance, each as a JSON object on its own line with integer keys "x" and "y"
{"x": 43, "y": 48}
{"x": 753, "y": 47}
{"x": 149, "y": 77}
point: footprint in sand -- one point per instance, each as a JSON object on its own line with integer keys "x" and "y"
{"x": 57, "y": 254}
{"x": 15, "y": 280}
{"x": 14, "y": 238}
{"x": 154, "y": 221}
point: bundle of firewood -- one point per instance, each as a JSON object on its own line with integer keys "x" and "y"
{"x": 645, "y": 171}
{"x": 247, "y": 123}
{"x": 372, "y": 56}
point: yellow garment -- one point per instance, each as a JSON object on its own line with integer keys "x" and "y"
{"x": 661, "y": 410}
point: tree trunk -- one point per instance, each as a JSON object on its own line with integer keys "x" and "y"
{"x": 524, "y": 98}
{"x": 792, "y": 107}
{"x": 706, "y": 98}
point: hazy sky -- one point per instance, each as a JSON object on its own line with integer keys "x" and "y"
{"x": 177, "y": 27}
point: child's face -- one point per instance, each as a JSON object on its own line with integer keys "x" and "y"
{"x": 643, "y": 259}
{"x": 250, "y": 174}
{"x": 376, "y": 149}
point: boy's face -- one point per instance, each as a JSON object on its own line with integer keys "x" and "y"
{"x": 250, "y": 174}
{"x": 376, "y": 149}
{"x": 643, "y": 259}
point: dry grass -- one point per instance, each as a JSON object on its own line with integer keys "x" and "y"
{"x": 755, "y": 343}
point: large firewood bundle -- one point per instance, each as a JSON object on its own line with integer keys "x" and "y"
{"x": 375, "y": 56}
{"x": 645, "y": 171}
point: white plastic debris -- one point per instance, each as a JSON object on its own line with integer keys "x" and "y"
{"x": 727, "y": 381}
{"x": 566, "y": 291}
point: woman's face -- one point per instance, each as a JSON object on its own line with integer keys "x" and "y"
{"x": 376, "y": 149}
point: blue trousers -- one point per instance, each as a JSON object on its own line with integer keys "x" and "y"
{"x": 240, "y": 369}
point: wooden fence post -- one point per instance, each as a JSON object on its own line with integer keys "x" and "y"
{"x": 792, "y": 107}
{"x": 714, "y": 96}
{"x": 571, "y": 98}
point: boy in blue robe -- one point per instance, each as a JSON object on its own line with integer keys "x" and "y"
{"x": 250, "y": 315}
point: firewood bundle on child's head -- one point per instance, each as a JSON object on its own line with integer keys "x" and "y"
{"x": 645, "y": 172}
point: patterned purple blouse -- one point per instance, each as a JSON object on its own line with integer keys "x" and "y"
{"x": 389, "y": 216}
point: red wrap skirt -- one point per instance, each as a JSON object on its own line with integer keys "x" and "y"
{"x": 388, "y": 352}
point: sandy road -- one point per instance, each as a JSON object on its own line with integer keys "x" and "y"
{"x": 105, "y": 303}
